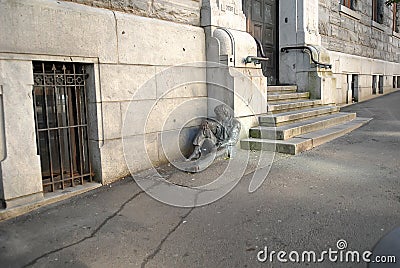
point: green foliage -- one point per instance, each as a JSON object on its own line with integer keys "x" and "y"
{"x": 389, "y": 2}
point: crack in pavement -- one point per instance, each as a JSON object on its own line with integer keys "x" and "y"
{"x": 93, "y": 234}
{"x": 147, "y": 258}
{"x": 158, "y": 248}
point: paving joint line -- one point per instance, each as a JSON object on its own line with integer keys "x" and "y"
{"x": 93, "y": 234}
{"x": 158, "y": 248}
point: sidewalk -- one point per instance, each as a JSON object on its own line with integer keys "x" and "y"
{"x": 345, "y": 189}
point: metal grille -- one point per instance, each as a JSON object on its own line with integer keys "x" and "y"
{"x": 59, "y": 95}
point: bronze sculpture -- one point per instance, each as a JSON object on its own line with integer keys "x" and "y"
{"x": 223, "y": 132}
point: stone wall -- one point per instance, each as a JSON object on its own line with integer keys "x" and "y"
{"x": 359, "y": 46}
{"x": 182, "y": 11}
{"x": 365, "y": 68}
{"x": 123, "y": 52}
{"x": 353, "y": 32}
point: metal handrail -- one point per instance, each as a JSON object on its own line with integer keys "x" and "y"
{"x": 260, "y": 48}
{"x": 256, "y": 59}
{"x": 309, "y": 49}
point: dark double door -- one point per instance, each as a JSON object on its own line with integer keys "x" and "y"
{"x": 262, "y": 24}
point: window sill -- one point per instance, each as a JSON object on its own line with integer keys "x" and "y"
{"x": 349, "y": 12}
{"x": 378, "y": 26}
{"x": 396, "y": 34}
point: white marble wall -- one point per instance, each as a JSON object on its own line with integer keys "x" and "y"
{"x": 365, "y": 68}
{"x": 20, "y": 169}
{"x": 125, "y": 52}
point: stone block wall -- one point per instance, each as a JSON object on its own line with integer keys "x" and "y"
{"x": 182, "y": 11}
{"x": 124, "y": 52}
{"x": 353, "y": 32}
{"x": 357, "y": 45}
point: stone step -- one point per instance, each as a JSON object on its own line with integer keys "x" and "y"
{"x": 298, "y": 128}
{"x": 281, "y": 107}
{"x": 303, "y": 142}
{"x": 287, "y": 96}
{"x": 280, "y": 119}
{"x": 282, "y": 89}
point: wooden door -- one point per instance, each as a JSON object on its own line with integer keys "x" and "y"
{"x": 262, "y": 24}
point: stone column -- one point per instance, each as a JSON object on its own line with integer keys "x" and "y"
{"x": 298, "y": 26}
{"x": 298, "y": 23}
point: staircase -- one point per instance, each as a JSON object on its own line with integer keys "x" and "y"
{"x": 295, "y": 123}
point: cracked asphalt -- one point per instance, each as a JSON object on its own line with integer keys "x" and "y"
{"x": 345, "y": 189}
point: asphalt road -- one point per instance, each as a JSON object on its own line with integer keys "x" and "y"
{"x": 345, "y": 189}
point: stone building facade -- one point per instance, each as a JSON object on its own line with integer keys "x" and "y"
{"x": 361, "y": 45}
{"x": 363, "y": 50}
{"x": 126, "y": 49}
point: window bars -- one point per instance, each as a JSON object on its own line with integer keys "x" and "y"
{"x": 60, "y": 104}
